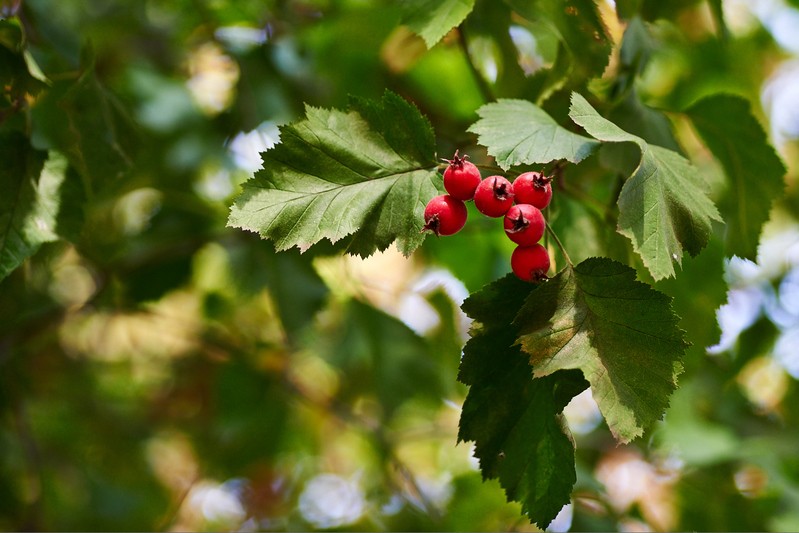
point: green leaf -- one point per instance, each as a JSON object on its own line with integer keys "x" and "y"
{"x": 619, "y": 332}
{"x": 663, "y": 206}
{"x": 652, "y": 125}
{"x": 367, "y": 172}
{"x": 626, "y": 9}
{"x": 296, "y": 288}
{"x": 29, "y": 204}
{"x": 433, "y": 19}
{"x": 250, "y": 415}
{"x": 755, "y": 171}
{"x": 514, "y": 420}
{"x": 11, "y": 35}
{"x": 578, "y": 227}
{"x": 628, "y": 110}
{"x": 697, "y": 309}
{"x": 637, "y": 47}
{"x": 584, "y": 38}
{"x": 518, "y": 132}
{"x": 379, "y": 355}
{"x": 85, "y": 122}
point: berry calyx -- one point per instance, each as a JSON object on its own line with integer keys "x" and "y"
{"x": 444, "y": 215}
{"x": 533, "y": 188}
{"x": 524, "y": 224}
{"x": 530, "y": 263}
{"x": 494, "y": 196}
{"x": 461, "y": 177}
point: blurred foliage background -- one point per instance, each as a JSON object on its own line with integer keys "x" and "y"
{"x": 159, "y": 371}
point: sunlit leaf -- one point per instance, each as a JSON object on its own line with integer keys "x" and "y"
{"x": 619, "y": 332}
{"x": 367, "y": 172}
{"x": 663, "y": 206}
{"x": 29, "y": 203}
{"x": 754, "y": 170}
{"x": 433, "y": 19}
{"x": 518, "y": 132}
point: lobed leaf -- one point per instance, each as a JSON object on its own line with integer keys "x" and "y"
{"x": 515, "y": 420}
{"x": 433, "y": 19}
{"x": 663, "y": 206}
{"x": 621, "y": 333}
{"x": 754, "y": 170}
{"x": 29, "y": 204}
{"x": 366, "y": 173}
{"x": 517, "y": 132}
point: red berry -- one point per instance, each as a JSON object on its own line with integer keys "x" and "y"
{"x": 461, "y": 177}
{"x": 530, "y": 263}
{"x": 444, "y": 215}
{"x": 494, "y": 196}
{"x": 533, "y": 188}
{"x": 524, "y": 224}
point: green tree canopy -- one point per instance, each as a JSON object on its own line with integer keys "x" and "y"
{"x": 219, "y": 309}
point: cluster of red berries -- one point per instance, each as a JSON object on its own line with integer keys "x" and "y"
{"x": 519, "y": 202}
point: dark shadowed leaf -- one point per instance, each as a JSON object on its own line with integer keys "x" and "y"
{"x": 381, "y": 356}
{"x": 296, "y": 288}
{"x": 635, "y": 117}
{"x": 514, "y": 420}
{"x": 83, "y": 120}
{"x": 754, "y": 170}
{"x": 693, "y": 306}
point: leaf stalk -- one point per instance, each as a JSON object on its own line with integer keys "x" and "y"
{"x": 560, "y": 246}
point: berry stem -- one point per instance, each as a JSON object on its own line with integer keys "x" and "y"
{"x": 560, "y": 245}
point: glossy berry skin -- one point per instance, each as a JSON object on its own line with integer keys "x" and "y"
{"x": 530, "y": 263}
{"x": 444, "y": 215}
{"x": 533, "y": 188}
{"x": 524, "y": 224}
{"x": 461, "y": 177}
{"x": 494, "y": 196}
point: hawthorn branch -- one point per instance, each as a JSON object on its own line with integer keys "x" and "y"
{"x": 482, "y": 84}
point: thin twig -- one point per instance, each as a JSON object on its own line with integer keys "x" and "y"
{"x": 482, "y": 84}
{"x": 560, "y": 245}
